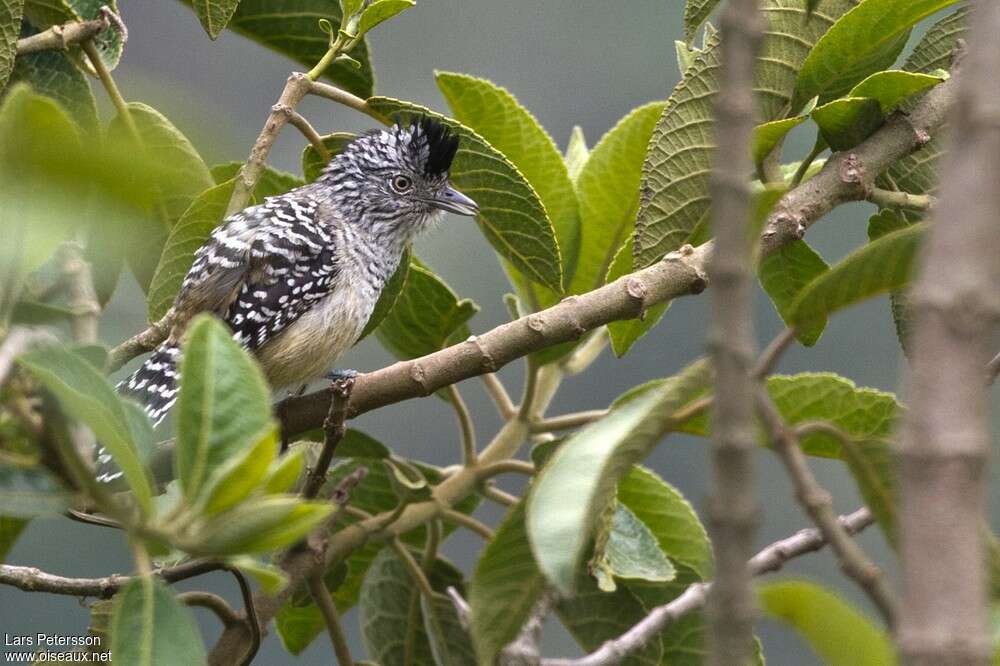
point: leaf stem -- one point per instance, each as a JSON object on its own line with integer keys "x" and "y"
{"x": 111, "y": 88}
{"x": 804, "y": 165}
{"x": 319, "y": 593}
{"x": 468, "y": 522}
{"x": 466, "y": 425}
{"x": 894, "y": 199}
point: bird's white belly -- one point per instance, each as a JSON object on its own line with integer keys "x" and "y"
{"x": 310, "y": 347}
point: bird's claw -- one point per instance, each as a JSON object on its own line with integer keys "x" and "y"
{"x": 342, "y": 380}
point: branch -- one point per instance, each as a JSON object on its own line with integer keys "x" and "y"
{"x": 946, "y": 432}
{"x": 61, "y": 37}
{"x": 335, "y": 94}
{"x": 769, "y": 560}
{"x": 299, "y": 122}
{"x": 894, "y": 199}
{"x": 319, "y": 593}
{"x": 333, "y": 429}
{"x": 505, "y": 406}
{"x": 466, "y": 425}
{"x": 212, "y": 602}
{"x": 819, "y": 506}
{"x": 30, "y": 579}
{"x": 732, "y": 508}
{"x": 568, "y": 421}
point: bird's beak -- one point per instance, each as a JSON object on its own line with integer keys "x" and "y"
{"x": 454, "y": 201}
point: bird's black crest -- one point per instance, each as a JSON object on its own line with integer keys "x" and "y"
{"x": 441, "y": 145}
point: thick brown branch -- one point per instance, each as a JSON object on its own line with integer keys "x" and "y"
{"x": 944, "y": 619}
{"x": 333, "y": 429}
{"x": 60, "y": 37}
{"x": 30, "y": 579}
{"x": 769, "y": 560}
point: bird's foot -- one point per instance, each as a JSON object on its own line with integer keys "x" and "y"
{"x": 342, "y": 381}
{"x": 339, "y": 375}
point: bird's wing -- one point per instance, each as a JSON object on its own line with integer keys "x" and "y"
{"x": 262, "y": 269}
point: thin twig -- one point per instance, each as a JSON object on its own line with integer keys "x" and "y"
{"x": 509, "y": 466}
{"x": 61, "y": 37}
{"x": 412, "y": 567}
{"x": 299, "y": 122}
{"x": 140, "y": 343}
{"x": 111, "y": 88}
{"x": 768, "y": 560}
{"x": 768, "y": 359}
{"x": 465, "y": 423}
{"x": 31, "y": 579}
{"x": 333, "y": 429}
{"x": 993, "y": 369}
{"x": 505, "y": 406}
{"x": 319, "y": 593}
{"x": 252, "y": 623}
{"x": 587, "y": 353}
{"x": 467, "y": 522}
{"x": 491, "y": 492}
{"x": 568, "y": 421}
{"x": 818, "y": 504}
{"x": 345, "y": 98}
{"x": 212, "y": 602}
{"x": 895, "y": 199}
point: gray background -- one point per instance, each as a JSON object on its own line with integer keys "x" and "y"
{"x": 585, "y": 62}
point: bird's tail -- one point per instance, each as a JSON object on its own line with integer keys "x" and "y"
{"x": 154, "y": 384}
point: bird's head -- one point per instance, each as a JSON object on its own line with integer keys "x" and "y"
{"x": 397, "y": 178}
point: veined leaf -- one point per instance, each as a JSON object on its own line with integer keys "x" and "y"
{"x": 10, "y": 529}
{"x": 272, "y": 182}
{"x": 846, "y": 122}
{"x": 10, "y": 30}
{"x": 86, "y": 396}
{"x": 425, "y": 315}
{"x": 837, "y": 631}
{"x": 214, "y": 14}
{"x": 186, "y": 236}
{"x": 506, "y": 584}
{"x": 631, "y": 552}
{"x": 150, "y": 627}
{"x": 511, "y": 215}
{"x": 588, "y": 467}
{"x": 676, "y": 170}
{"x": 768, "y": 136}
{"x": 880, "y": 266}
{"x": 385, "y": 607}
{"x": 863, "y": 41}
{"x": 291, "y": 28}
{"x": 500, "y": 119}
{"x": 224, "y": 405}
{"x": 379, "y": 11}
{"x": 669, "y": 516}
{"x": 240, "y": 475}
{"x": 449, "y": 641}
{"x": 260, "y": 525}
{"x": 27, "y": 493}
{"x": 696, "y": 12}
{"x": 783, "y": 274}
{"x": 608, "y": 188}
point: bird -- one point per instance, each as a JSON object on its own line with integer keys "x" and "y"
{"x": 296, "y": 277}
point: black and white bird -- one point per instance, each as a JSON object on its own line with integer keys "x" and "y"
{"x": 297, "y": 277}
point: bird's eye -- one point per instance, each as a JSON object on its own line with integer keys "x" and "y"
{"x": 401, "y": 184}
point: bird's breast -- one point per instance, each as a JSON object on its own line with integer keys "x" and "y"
{"x": 310, "y": 347}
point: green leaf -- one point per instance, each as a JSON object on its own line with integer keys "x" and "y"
{"x": 669, "y": 516}
{"x": 390, "y": 294}
{"x": 214, "y": 14}
{"x": 385, "y": 606}
{"x": 500, "y": 119}
{"x": 880, "y": 224}
{"x": 783, "y": 273}
{"x": 880, "y": 266}
{"x": 285, "y": 473}
{"x": 679, "y": 161}
{"x": 189, "y": 233}
{"x": 884, "y": 222}
{"x": 10, "y": 30}
{"x": 510, "y": 213}
{"x": 449, "y": 641}
{"x": 863, "y": 41}
{"x": 150, "y": 627}
{"x": 768, "y": 136}
{"x": 588, "y": 467}
{"x": 86, "y": 396}
{"x": 223, "y": 408}
{"x": 576, "y": 153}
{"x": 271, "y": 578}
{"x": 10, "y": 529}
{"x": 593, "y": 616}
{"x": 846, "y": 122}
{"x": 505, "y": 585}
{"x": 312, "y": 163}
{"x": 272, "y": 182}
{"x": 240, "y": 475}
{"x": 426, "y": 314}
{"x": 379, "y": 11}
{"x": 696, "y": 12}
{"x": 839, "y": 633}
{"x": 181, "y": 175}
{"x": 608, "y": 188}
{"x": 915, "y": 173}
{"x": 631, "y": 552}
{"x": 27, "y": 492}
{"x": 290, "y": 28}
{"x": 259, "y": 525}
{"x": 627, "y": 332}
